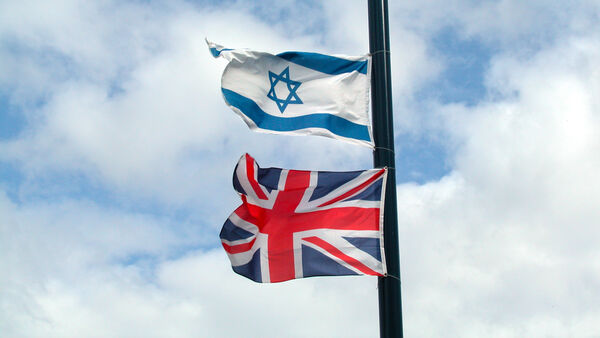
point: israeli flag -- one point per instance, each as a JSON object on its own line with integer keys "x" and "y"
{"x": 299, "y": 93}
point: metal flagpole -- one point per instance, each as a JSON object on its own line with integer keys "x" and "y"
{"x": 390, "y": 302}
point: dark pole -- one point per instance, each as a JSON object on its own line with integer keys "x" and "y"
{"x": 390, "y": 301}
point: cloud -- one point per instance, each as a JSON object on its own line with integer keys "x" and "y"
{"x": 141, "y": 112}
{"x": 507, "y": 24}
{"x": 77, "y": 267}
{"x": 122, "y": 99}
{"x": 506, "y": 241}
{"x": 120, "y": 118}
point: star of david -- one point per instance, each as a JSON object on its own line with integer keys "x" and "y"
{"x": 292, "y": 86}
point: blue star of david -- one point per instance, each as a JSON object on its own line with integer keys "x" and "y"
{"x": 292, "y": 86}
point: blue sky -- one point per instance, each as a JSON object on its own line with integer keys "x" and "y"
{"x": 116, "y": 155}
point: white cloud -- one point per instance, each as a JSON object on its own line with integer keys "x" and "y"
{"x": 154, "y": 123}
{"x": 128, "y": 97}
{"x": 507, "y": 241}
{"x": 505, "y": 25}
{"x": 72, "y": 271}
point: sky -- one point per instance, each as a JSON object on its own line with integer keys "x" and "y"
{"x": 117, "y": 150}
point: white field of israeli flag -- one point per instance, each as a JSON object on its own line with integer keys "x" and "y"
{"x": 299, "y": 93}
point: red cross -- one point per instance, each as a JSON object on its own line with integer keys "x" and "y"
{"x": 281, "y": 222}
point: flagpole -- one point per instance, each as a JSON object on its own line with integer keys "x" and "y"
{"x": 390, "y": 300}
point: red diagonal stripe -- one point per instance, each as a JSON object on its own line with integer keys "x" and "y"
{"x": 253, "y": 182}
{"x": 354, "y": 190}
{"x": 337, "y": 253}
{"x": 234, "y": 249}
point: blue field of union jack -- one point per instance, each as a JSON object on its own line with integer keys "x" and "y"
{"x": 297, "y": 223}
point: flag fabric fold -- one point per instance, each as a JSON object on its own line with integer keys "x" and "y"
{"x": 297, "y": 223}
{"x": 299, "y": 93}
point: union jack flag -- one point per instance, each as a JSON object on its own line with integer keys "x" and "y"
{"x": 296, "y": 223}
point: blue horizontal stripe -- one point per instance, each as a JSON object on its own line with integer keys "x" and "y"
{"x": 325, "y": 63}
{"x": 216, "y": 52}
{"x": 335, "y": 124}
